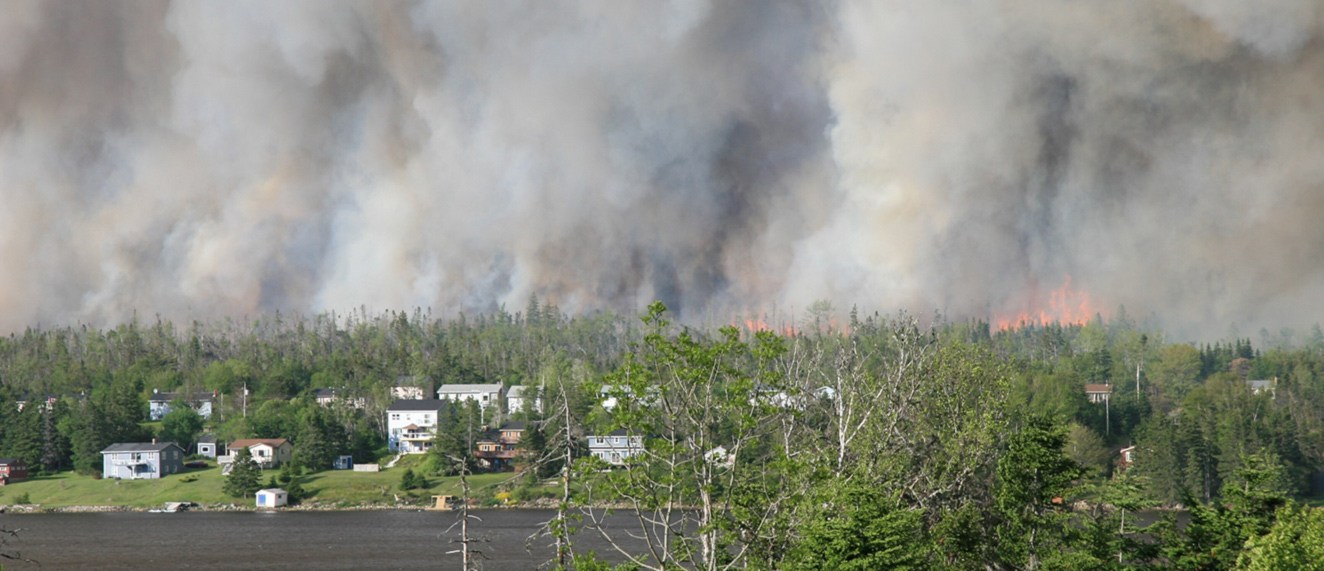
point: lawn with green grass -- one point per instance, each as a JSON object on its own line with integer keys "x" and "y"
{"x": 201, "y": 485}
{"x": 343, "y": 488}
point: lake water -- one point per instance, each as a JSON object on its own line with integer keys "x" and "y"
{"x": 276, "y": 540}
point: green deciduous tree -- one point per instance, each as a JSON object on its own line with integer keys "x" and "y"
{"x": 181, "y": 425}
{"x": 1295, "y": 542}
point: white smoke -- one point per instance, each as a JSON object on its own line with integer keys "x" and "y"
{"x": 200, "y": 159}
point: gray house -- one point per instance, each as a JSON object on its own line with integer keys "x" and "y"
{"x": 141, "y": 460}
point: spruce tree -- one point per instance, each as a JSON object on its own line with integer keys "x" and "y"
{"x": 245, "y": 476}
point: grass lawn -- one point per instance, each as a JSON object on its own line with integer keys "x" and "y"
{"x": 337, "y": 487}
{"x": 70, "y": 489}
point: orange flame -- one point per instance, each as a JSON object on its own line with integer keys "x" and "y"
{"x": 757, "y": 324}
{"x": 1065, "y": 306}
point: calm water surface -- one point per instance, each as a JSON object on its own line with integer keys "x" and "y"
{"x": 279, "y": 540}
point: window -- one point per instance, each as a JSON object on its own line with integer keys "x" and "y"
{"x": 395, "y": 417}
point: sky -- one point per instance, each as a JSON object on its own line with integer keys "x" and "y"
{"x": 196, "y": 160}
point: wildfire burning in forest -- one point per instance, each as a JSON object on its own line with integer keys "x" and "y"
{"x": 1065, "y": 306}
{"x": 757, "y": 324}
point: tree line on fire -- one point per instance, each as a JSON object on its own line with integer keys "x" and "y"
{"x": 949, "y": 447}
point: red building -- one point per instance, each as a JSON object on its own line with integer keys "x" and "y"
{"x": 12, "y": 470}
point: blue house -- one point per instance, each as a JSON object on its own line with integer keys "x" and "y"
{"x": 141, "y": 460}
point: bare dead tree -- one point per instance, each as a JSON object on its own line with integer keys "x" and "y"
{"x": 469, "y": 556}
{"x": 561, "y": 448}
{"x": 6, "y": 553}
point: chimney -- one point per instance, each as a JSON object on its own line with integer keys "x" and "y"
{"x": 153, "y": 441}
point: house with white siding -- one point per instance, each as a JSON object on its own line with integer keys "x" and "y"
{"x": 411, "y": 424}
{"x": 487, "y": 395}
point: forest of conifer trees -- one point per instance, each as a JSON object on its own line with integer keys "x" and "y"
{"x": 972, "y": 444}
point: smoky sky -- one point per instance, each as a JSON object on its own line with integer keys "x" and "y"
{"x": 205, "y": 159}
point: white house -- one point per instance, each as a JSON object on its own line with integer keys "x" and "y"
{"x": 267, "y": 452}
{"x": 1262, "y": 385}
{"x": 520, "y": 398}
{"x": 486, "y": 394}
{"x": 272, "y": 498}
{"x": 160, "y": 403}
{"x": 616, "y": 447}
{"x": 1098, "y": 393}
{"x": 411, "y": 424}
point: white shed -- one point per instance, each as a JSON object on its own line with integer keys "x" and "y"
{"x": 272, "y": 498}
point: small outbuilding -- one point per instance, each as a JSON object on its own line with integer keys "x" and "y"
{"x": 344, "y": 462}
{"x": 272, "y": 498}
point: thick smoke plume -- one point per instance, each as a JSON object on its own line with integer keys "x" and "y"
{"x": 200, "y": 159}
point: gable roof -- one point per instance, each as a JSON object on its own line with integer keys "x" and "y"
{"x": 404, "y": 405}
{"x": 1092, "y": 388}
{"x": 477, "y": 388}
{"x": 207, "y": 438}
{"x": 517, "y": 425}
{"x": 168, "y": 397}
{"x": 139, "y": 447}
{"x": 247, "y": 442}
{"x": 11, "y": 461}
{"x": 516, "y": 391}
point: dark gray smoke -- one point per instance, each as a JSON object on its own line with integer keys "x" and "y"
{"x": 198, "y": 159}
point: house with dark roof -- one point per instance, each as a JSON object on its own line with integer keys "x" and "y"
{"x": 141, "y": 460}
{"x": 159, "y": 404}
{"x": 209, "y": 446}
{"x": 12, "y": 470}
{"x": 48, "y": 401}
{"x": 411, "y": 424}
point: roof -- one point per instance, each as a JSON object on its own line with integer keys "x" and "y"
{"x": 411, "y": 427}
{"x": 478, "y": 388}
{"x": 8, "y": 461}
{"x": 515, "y": 391}
{"x": 207, "y": 438}
{"x": 1260, "y": 383}
{"x": 514, "y": 425}
{"x": 1098, "y": 388}
{"x": 324, "y": 392}
{"x": 138, "y": 447}
{"x": 272, "y": 491}
{"x": 168, "y": 397}
{"x": 248, "y": 442}
{"x": 418, "y": 405}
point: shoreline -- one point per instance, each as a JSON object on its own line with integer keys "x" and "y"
{"x": 36, "y": 509}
